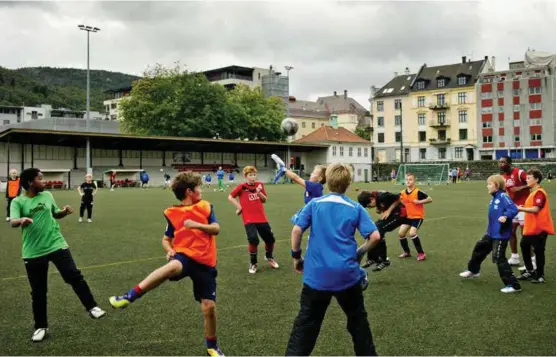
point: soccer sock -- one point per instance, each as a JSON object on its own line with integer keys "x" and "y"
{"x": 269, "y": 250}
{"x": 135, "y": 293}
{"x": 252, "y": 248}
{"x": 211, "y": 342}
{"x": 417, "y": 244}
{"x": 515, "y": 255}
{"x": 404, "y": 245}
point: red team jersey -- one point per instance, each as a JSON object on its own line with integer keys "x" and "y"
{"x": 252, "y": 207}
{"x": 517, "y": 178}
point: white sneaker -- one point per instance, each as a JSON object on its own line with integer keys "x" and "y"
{"x": 272, "y": 263}
{"x": 89, "y": 221}
{"x": 80, "y": 220}
{"x": 514, "y": 261}
{"x": 252, "y": 268}
{"x": 97, "y": 312}
{"x": 523, "y": 268}
{"x": 509, "y": 290}
{"x": 7, "y": 219}
{"x": 39, "y": 335}
{"x": 468, "y": 274}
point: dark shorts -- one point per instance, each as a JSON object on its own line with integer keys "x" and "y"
{"x": 414, "y": 222}
{"x": 204, "y": 277}
{"x": 254, "y": 230}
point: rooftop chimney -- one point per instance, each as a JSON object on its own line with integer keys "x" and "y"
{"x": 396, "y": 74}
{"x": 463, "y": 59}
{"x": 345, "y": 94}
{"x": 335, "y": 93}
{"x": 486, "y": 57}
{"x": 373, "y": 90}
{"x": 493, "y": 63}
{"x": 407, "y": 70}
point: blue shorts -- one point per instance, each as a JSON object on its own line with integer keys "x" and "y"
{"x": 414, "y": 222}
{"x": 204, "y": 277}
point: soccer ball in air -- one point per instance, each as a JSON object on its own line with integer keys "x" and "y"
{"x": 289, "y": 126}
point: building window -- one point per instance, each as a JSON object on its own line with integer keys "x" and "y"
{"x": 535, "y": 122}
{"x": 313, "y": 125}
{"x": 422, "y": 154}
{"x": 440, "y": 99}
{"x": 516, "y": 138}
{"x": 380, "y": 137}
{"x": 421, "y": 119}
{"x": 487, "y": 110}
{"x": 535, "y": 106}
{"x": 113, "y": 117}
{"x": 462, "y": 116}
{"x": 487, "y": 95}
{"x": 516, "y": 108}
{"x": 501, "y": 109}
{"x": 516, "y": 92}
{"x": 398, "y": 120}
{"x": 421, "y": 85}
{"x": 350, "y": 151}
{"x": 487, "y": 124}
{"x": 516, "y": 122}
{"x": 380, "y": 106}
{"x": 500, "y": 94}
{"x": 461, "y": 80}
{"x": 462, "y": 97}
{"x": 398, "y": 103}
{"x": 442, "y": 118}
{"x": 536, "y": 137}
{"x": 6, "y": 121}
{"x": 380, "y": 122}
{"x": 442, "y": 135}
{"x": 359, "y": 152}
{"x": 113, "y": 105}
{"x": 463, "y": 134}
{"x": 458, "y": 153}
{"x": 303, "y": 124}
{"x": 421, "y": 136}
{"x": 442, "y": 153}
{"x": 334, "y": 151}
{"x": 341, "y": 150}
{"x": 487, "y": 139}
{"x": 421, "y": 101}
{"x": 398, "y": 137}
{"x": 535, "y": 90}
{"x": 365, "y": 152}
{"x": 441, "y": 83}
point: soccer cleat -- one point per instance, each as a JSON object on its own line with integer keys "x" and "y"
{"x": 89, "y": 220}
{"x": 538, "y": 280}
{"x": 97, "y": 312}
{"x": 39, "y": 335}
{"x": 364, "y": 281}
{"x": 382, "y": 265}
{"x": 214, "y": 352}
{"x": 421, "y": 257}
{"x": 405, "y": 255}
{"x": 80, "y": 220}
{"x": 272, "y": 263}
{"x": 468, "y": 274}
{"x": 511, "y": 289}
{"x": 119, "y": 302}
{"x": 368, "y": 263}
{"x": 514, "y": 261}
{"x": 527, "y": 275}
{"x": 252, "y": 268}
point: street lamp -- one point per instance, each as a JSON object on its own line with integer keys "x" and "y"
{"x": 89, "y": 29}
{"x": 288, "y": 69}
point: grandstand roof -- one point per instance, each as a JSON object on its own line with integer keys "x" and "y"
{"x": 136, "y": 142}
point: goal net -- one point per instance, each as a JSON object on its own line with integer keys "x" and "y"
{"x": 431, "y": 174}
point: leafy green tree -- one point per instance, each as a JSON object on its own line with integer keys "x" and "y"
{"x": 363, "y": 133}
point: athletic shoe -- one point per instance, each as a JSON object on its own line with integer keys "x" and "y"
{"x": 382, "y": 265}
{"x": 514, "y": 261}
{"x": 523, "y": 268}
{"x": 97, "y": 312}
{"x": 368, "y": 263}
{"x": 39, "y": 335}
{"x": 538, "y": 280}
{"x": 252, "y": 268}
{"x": 468, "y": 274}
{"x": 119, "y": 302}
{"x": 527, "y": 275}
{"x": 405, "y": 255}
{"x": 421, "y": 256}
{"x": 272, "y": 263}
{"x": 80, "y": 220}
{"x": 7, "y": 220}
{"x": 89, "y": 221}
{"x": 364, "y": 281}
{"x": 214, "y": 352}
{"x": 511, "y": 289}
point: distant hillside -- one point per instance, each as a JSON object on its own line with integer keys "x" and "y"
{"x": 60, "y": 87}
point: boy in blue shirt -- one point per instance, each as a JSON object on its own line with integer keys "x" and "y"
{"x": 502, "y": 210}
{"x": 332, "y": 264}
{"x": 220, "y": 178}
{"x": 313, "y": 186}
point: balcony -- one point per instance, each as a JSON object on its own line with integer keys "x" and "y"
{"x": 439, "y": 106}
{"x": 440, "y": 141}
{"x": 436, "y": 123}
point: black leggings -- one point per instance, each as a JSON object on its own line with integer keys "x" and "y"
{"x": 538, "y": 242}
{"x": 89, "y": 207}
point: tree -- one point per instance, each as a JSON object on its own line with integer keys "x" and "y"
{"x": 175, "y": 102}
{"x": 363, "y": 133}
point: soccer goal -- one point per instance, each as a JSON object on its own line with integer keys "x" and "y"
{"x": 431, "y": 174}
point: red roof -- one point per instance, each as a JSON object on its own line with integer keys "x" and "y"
{"x": 328, "y": 133}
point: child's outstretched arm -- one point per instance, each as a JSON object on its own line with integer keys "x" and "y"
{"x": 294, "y": 177}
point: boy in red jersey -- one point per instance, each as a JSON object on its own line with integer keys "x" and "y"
{"x": 251, "y": 195}
{"x": 189, "y": 242}
{"x": 517, "y": 189}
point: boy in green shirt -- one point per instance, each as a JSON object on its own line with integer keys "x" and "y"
{"x": 36, "y": 212}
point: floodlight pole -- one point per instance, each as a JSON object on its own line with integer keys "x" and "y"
{"x": 288, "y": 69}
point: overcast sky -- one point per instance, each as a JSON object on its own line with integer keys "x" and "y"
{"x": 331, "y": 45}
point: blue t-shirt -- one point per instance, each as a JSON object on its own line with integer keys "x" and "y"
{"x": 331, "y": 263}
{"x": 231, "y": 176}
{"x": 220, "y": 174}
{"x": 313, "y": 190}
{"x": 208, "y": 178}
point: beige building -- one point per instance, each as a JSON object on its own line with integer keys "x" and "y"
{"x": 111, "y": 106}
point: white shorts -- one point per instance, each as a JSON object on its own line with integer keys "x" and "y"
{"x": 519, "y": 218}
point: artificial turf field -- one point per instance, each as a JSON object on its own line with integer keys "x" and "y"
{"x": 415, "y": 308}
